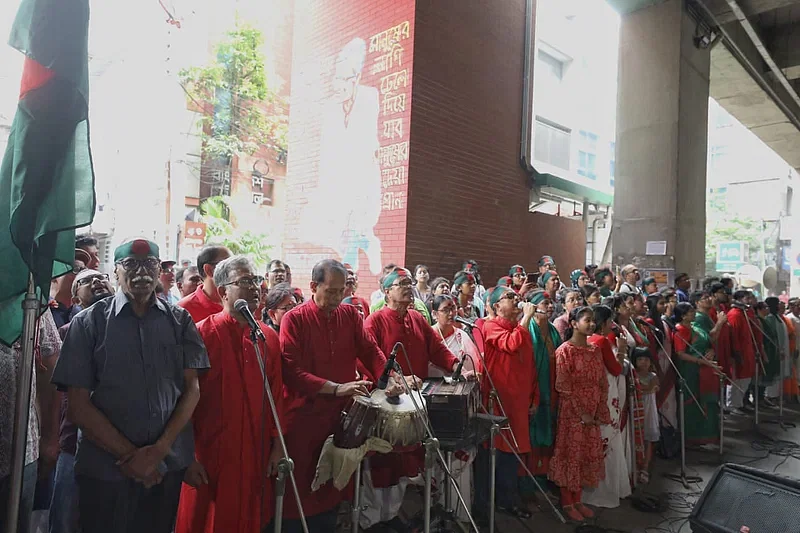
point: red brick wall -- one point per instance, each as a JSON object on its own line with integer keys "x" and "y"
{"x": 468, "y": 195}
{"x": 353, "y": 184}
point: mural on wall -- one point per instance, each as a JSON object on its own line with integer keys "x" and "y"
{"x": 349, "y": 131}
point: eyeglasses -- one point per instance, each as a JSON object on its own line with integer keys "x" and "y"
{"x": 447, "y": 309}
{"x": 168, "y": 270}
{"x": 511, "y": 296}
{"x": 91, "y": 279}
{"x": 133, "y": 264}
{"x": 287, "y": 307}
{"x": 246, "y": 283}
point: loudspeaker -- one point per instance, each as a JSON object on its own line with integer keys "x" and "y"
{"x": 739, "y": 496}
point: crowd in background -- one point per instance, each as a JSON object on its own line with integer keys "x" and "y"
{"x": 585, "y": 368}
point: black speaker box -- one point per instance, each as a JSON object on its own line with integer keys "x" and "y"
{"x": 739, "y": 496}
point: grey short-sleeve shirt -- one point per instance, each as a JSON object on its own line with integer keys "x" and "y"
{"x": 134, "y": 369}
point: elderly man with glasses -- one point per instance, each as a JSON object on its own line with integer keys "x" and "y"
{"x": 130, "y": 367}
{"x": 423, "y": 347}
{"x": 229, "y": 487}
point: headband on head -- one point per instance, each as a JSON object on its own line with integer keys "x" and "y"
{"x": 546, "y": 260}
{"x": 496, "y": 293}
{"x": 577, "y": 273}
{"x": 516, "y": 269}
{"x": 538, "y": 297}
{"x": 350, "y": 300}
{"x": 85, "y": 273}
{"x": 648, "y": 281}
{"x": 547, "y": 276}
{"x": 394, "y": 275}
{"x": 135, "y": 247}
{"x": 505, "y": 281}
{"x": 463, "y": 277}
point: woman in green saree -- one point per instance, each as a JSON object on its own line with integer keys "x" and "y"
{"x": 692, "y": 346}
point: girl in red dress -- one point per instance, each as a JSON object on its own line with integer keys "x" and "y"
{"x": 581, "y": 382}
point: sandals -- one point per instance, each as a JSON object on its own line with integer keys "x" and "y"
{"x": 585, "y": 511}
{"x": 573, "y": 514}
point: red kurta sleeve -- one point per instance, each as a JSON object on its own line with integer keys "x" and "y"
{"x": 274, "y": 372}
{"x": 681, "y": 340}
{"x": 511, "y": 340}
{"x": 291, "y": 345}
{"x": 609, "y": 359}
{"x": 564, "y": 374}
{"x": 369, "y": 355}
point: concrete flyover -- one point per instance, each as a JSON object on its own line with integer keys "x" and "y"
{"x": 755, "y": 72}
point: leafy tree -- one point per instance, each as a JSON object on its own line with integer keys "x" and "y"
{"x": 723, "y": 226}
{"x": 219, "y": 230}
{"x": 241, "y": 113}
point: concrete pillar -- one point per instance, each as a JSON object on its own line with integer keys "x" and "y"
{"x": 662, "y": 138}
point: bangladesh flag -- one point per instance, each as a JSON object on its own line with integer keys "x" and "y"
{"x": 46, "y": 178}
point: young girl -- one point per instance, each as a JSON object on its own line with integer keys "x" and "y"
{"x": 581, "y": 382}
{"x": 649, "y": 382}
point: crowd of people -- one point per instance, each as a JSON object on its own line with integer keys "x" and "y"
{"x": 149, "y": 413}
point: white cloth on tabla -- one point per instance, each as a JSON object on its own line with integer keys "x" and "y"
{"x": 339, "y": 464}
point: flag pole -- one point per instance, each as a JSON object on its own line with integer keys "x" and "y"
{"x": 30, "y": 306}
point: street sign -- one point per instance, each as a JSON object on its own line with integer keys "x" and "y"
{"x": 731, "y": 255}
{"x": 194, "y": 234}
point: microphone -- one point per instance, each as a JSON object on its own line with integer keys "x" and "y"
{"x": 462, "y": 320}
{"x": 383, "y": 382}
{"x": 242, "y": 307}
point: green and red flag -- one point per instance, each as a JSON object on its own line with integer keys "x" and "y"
{"x": 46, "y": 178}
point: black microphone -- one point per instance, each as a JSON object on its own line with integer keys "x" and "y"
{"x": 383, "y": 382}
{"x": 462, "y": 320}
{"x": 243, "y": 308}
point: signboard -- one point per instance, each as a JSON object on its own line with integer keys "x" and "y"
{"x": 731, "y": 255}
{"x": 665, "y": 277}
{"x": 194, "y": 234}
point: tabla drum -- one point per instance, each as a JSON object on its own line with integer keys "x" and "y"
{"x": 400, "y": 422}
{"x": 357, "y": 424}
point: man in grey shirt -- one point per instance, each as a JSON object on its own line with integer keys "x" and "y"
{"x": 130, "y": 367}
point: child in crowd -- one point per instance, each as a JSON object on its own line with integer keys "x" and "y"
{"x": 648, "y": 379}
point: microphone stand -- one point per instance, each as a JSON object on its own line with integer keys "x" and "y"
{"x": 285, "y": 465}
{"x": 496, "y": 430}
{"x": 756, "y": 393}
{"x": 682, "y": 388}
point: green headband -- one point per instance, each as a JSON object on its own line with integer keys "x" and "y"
{"x": 462, "y": 278}
{"x": 547, "y": 275}
{"x": 393, "y": 276}
{"x": 140, "y": 247}
{"x": 496, "y": 293}
{"x": 538, "y": 297}
{"x": 516, "y": 269}
{"x": 546, "y": 260}
{"x": 576, "y": 274}
{"x": 505, "y": 281}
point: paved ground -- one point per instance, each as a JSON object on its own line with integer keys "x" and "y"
{"x": 739, "y": 448}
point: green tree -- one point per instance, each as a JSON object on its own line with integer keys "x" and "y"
{"x": 723, "y": 226}
{"x": 219, "y": 230}
{"x": 241, "y": 113}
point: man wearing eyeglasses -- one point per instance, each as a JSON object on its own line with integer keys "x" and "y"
{"x": 205, "y": 301}
{"x": 130, "y": 367}
{"x": 89, "y": 287}
{"x": 423, "y": 347}
{"x": 236, "y": 454}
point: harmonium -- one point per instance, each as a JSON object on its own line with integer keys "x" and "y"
{"x": 451, "y": 406}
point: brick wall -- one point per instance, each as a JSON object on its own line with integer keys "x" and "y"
{"x": 334, "y": 183}
{"x": 468, "y": 195}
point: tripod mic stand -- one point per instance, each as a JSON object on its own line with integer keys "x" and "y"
{"x": 681, "y": 387}
{"x": 285, "y": 465}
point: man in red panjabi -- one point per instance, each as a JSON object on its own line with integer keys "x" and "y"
{"x": 744, "y": 350}
{"x": 510, "y": 364}
{"x": 229, "y": 486}
{"x": 397, "y": 323}
{"x": 205, "y": 301}
{"x": 321, "y": 341}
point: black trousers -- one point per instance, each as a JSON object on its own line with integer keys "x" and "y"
{"x": 127, "y": 506}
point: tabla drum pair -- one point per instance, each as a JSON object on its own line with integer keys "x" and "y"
{"x": 396, "y": 420}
